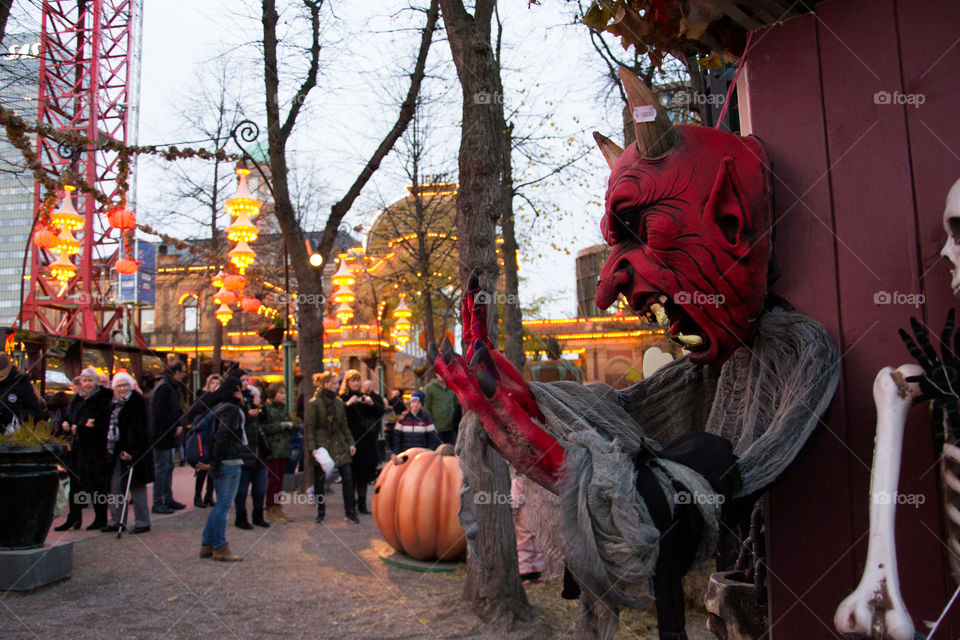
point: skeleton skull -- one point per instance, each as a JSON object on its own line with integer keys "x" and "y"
{"x": 951, "y": 225}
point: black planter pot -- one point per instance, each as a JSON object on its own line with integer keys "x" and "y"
{"x": 29, "y": 479}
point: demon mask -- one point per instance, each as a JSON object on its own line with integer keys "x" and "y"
{"x": 688, "y": 215}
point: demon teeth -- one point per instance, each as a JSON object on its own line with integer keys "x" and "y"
{"x": 660, "y": 314}
{"x": 688, "y": 341}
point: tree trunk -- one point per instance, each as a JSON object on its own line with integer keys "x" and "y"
{"x": 495, "y": 594}
{"x": 512, "y": 317}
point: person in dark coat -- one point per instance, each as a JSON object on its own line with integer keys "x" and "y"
{"x": 325, "y": 425}
{"x": 17, "y": 396}
{"x": 165, "y": 413}
{"x": 197, "y": 410}
{"x": 415, "y": 427}
{"x": 276, "y": 425}
{"x": 253, "y": 477}
{"x": 128, "y": 445}
{"x": 363, "y": 416}
{"x": 86, "y": 421}
{"x": 226, "y": 463}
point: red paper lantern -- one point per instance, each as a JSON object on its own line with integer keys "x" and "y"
{"x": 45, "y": 238}
{"x": 225, "y": 297}
{"x": 127, "y": 266}
{"x": 234, "y": 282}
{"x": 122, "y": 218}
{"x": 250, "y": 304}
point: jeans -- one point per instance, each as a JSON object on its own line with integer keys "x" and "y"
{"x": 256, "y": 478}
{"x": 162, "y": 477}
{"x": 346, "y": 475}
{"x": 138, "y": 496}
{"x": 225, "y": 480}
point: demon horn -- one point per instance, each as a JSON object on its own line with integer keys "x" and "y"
{"x": 611, "y": 150}
{"x": 655, "y": 135}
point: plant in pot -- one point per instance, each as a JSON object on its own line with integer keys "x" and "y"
{"x": 30, "y": 468}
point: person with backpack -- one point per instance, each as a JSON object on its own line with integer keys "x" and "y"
{"x": 325, "y": 425}
{"x": 201, "y": 408}
{"x": 277, "y": 427}
{"x": 225, "y": 466}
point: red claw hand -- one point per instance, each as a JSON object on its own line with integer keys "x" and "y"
{"x": 492, "y": 388}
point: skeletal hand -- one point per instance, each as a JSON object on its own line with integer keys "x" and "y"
{"x": 940, "y": 381}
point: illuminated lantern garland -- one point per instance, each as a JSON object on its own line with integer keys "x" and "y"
{"x": 224, "y": 314}
{"x": 343, "y": 277}
{"x": 344, "y": 295}
{"x": 66, "y": 243}
{"x": 217, "y": 281}
{"x": 63, "y": 270}
{"x": 242, "y": 256}
{"x": 66, "y": 217}
{"x": 242, "y": 230}
{"x": 242, "y": 203}
{"x": 344, "y": 313}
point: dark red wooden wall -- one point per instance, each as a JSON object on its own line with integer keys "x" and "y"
{"x": 860, "y": 190}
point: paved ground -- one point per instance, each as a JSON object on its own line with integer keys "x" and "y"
{"x": 297, "y": 580}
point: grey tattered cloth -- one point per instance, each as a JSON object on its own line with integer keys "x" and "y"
{"x": 766, "y": 400}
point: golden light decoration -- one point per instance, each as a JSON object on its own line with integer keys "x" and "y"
{"x": 62, "y": 269}
{"x": 223, "y": 314}
{"x": 344, "y": 313}
{"x": 242, "y": 230}
{"x": 402, "y": 339}
{"x": 66, "y": 216}
{"x": 402, "y": 310}
{"x": 242, "y": 256}
{"x": 242, "y": 203}
{"x": 217, "y": 281}
{"x": 224, "y": 297}
{"x": 66, "y": 243}
{"x": 343, "y": 277}
{"x": 402, "y": 324}
{"x": 344, "y": 294}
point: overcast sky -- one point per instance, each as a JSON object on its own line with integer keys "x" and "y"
{"x": 551, "y": 80}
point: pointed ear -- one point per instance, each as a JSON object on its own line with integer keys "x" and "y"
{"x": 726, "y": 210}
{"x": 610, "y": 149}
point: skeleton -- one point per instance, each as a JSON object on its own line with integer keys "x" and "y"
{"x": 634, "y": 485}
{"x": 875, "y": 609}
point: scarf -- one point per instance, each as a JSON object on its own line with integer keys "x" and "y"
{"x": 113, "y": 432}
{"x": 330, "y": 403}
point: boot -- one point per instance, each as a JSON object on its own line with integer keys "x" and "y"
{"x": 223, "y": 554}
{"x": 206, "y": 551}
{"x": 321, "y": 511}
{"x": 362, "y": 503}
{"x": 73, "y": 521}
{"x": 271, "y": 515}
{"x": 351, "y": 516}
{"x": 241, "y": 522}
{"x": 258, "y": 519}
{"x": 281, "y": 516}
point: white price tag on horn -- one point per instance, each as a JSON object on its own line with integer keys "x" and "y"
{"x": 645, "y": 113}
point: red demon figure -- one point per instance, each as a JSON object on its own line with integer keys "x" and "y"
{"x": 634, "y": 484}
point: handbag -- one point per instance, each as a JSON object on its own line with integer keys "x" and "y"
{"x": 263, "y": 445}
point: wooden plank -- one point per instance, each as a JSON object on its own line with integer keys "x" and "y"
{"x": 878, "y": 267}
{"x": 929, "y": 46}
{"x": 809, "y": 527}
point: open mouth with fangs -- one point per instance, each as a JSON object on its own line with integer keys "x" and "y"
{"x": 663, "y": 310}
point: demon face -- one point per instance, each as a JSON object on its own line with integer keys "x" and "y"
{"x": 690, "y": 231}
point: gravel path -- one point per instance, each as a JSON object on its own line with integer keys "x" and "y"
{"x": 297, "y": 580}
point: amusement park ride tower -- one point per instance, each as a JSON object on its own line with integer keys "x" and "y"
{"x": 89, "y": 84}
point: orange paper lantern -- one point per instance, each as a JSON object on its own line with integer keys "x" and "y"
{"x": 126, "y": 266}
{"x": 415, "y": 504}
{"x": 234, "y": 282}
{"x": 122, "y": 218}
{"x": 224, "y": 297}
{"x": 45, "y": 238}
{"x": 250, "y": 304}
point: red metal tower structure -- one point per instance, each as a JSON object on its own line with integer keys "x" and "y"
{"x": 89, "y": 68}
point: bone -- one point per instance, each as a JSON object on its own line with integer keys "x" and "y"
{"x": 688, "y": 341}
{"x": 950, "y": 475}
{"x": 876, "y": 609}
{"x": 660, "y": 314}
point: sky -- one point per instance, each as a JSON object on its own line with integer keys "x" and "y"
{"x": 553, "y": 89}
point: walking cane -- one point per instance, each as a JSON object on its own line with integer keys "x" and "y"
{"x": 126, "y": 497}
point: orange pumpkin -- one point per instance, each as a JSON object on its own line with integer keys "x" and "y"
{"x": 415, "y": 504}
{"x": 122, "y": 218}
